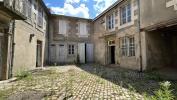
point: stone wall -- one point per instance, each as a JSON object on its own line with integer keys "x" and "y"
{"x": 26, "y": 45}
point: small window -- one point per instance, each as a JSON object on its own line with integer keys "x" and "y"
{"x": 125, "y": 14}
{"x": 71, "y": 49}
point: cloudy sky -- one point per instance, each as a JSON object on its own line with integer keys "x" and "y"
{"x": 79, "y": 8}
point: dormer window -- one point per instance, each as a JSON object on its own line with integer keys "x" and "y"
{"x": 125, "y": 14}
{"x": 110, "y": 22}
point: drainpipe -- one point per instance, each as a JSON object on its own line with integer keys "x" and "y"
{"x": 13, "y": 48}
{"x": 139, "y": 31}
{"x": 48, "y": 41}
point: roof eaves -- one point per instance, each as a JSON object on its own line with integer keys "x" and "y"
{"x": 70, "y": 17}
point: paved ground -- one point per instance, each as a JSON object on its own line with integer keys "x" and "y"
{"x": 84, "y": 82}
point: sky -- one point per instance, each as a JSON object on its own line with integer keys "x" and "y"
{"x": 79, "y": 8}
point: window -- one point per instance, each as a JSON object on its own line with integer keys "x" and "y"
{"x": 62, "y": 27}
{"x": 29, "y": 10}
{"x": 71, "y": 49}
{"x": 110, "y": 21}
{"x": 124, "y": 46}
{"x": 83, "y": 29}
{"x": 127, "y": 46}
{"x": 40, "y": 17}
{"x": 125, "y": 14}
{"x": 131, "y": 46}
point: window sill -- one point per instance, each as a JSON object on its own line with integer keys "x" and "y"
{"x": 125, "y": 25}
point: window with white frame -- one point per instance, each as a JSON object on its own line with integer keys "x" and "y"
{"x": 124, "y": 46}
{"x": 71, "y": 49}
{"x": 131, "y": 46}
{"x": 110, "y": 22}
{"x": 125, "y": 13}
{"x": 127, "y": 46}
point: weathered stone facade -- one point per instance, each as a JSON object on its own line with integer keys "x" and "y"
{"x": 102, "y": 36}
{"x": 62, "y": 35}
{"x": 123, "y": 35}
{"x": 30, "y": 39}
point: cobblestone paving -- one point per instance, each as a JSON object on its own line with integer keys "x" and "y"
{"x": 77, "y": 83}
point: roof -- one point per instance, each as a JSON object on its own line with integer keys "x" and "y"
{"x": 45, "y": 7}
{"x": 108, "y": 9}
{"x": 71, "y": 17}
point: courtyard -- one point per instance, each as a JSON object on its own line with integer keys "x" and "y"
{"x": 82, "y": 82}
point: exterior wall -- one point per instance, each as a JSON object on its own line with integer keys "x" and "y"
{"x": 160, "y": 11}
{"x": 27, "y": 34}
{"x": 9, "y": 10}
{"x": 102, "y": 36}
{"x": 71, "y": 36}
{"x": 99, "y": 41}
{"x": 157, "y": 32}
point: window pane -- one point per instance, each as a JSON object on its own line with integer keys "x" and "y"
{"x": 132, "y": 46}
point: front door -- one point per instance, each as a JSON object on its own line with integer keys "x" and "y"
{"x": 112, "y": 51}
{"x": 61, "y": 57}
{"x": 81, "y": 52}
{"x": 89, "y": 53}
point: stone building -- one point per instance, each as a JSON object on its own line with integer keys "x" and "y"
{"x": 10, "y": 10}
{"x": 30, "y": 37}
{"x": 70, "y": 40}
{"x": 133, "y": 34}
{"x": 116, "y": 35}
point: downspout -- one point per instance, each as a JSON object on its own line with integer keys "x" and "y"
{"x": 13, "y": 48}
{"x": 139, "y": 32}
{"x": 48, "y": 41}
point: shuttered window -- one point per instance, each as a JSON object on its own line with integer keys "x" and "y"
{"x": 62, "y": 27}
{"x": 83, "y": 29}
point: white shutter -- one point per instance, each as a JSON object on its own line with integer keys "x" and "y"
{"x": 83, "y": 29}
{"x": 64, "y": 27}
{"x": 60, "y": 27}
{"x": 81, "y": 52}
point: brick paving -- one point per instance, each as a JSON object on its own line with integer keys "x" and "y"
{"x": 86, "y": 82}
